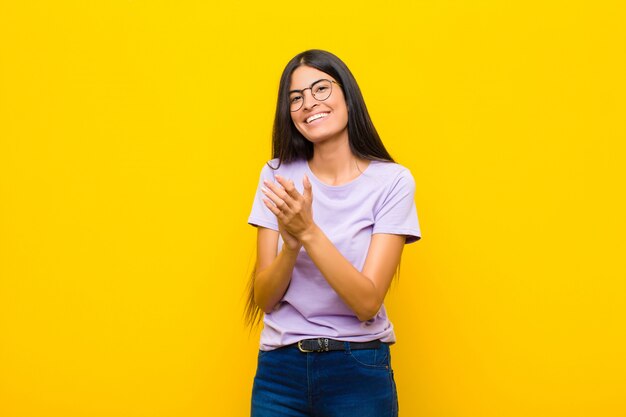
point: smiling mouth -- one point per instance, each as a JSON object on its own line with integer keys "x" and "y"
{"x": 316, "y": 117}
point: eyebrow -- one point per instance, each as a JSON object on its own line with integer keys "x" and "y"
{"x": 300, "y": 91}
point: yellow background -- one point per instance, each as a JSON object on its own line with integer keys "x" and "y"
{"x": 131, "y": 138}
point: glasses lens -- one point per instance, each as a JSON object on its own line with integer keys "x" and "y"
{"x": 295, "y": 102}
{"x": 321, "y": 90}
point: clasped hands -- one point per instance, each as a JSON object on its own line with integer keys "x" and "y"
{"x": 292, "y": 209}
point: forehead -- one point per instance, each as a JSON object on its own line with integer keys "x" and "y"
{"x": 304, "y": 76}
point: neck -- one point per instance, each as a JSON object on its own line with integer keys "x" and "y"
{"x": 334, "y": 163}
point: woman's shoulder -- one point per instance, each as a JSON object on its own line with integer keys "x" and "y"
{"x": 276, "y": 166}
{"x": 389, "y": 171}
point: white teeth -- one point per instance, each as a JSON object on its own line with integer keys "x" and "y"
{"x": 316, "y": 116}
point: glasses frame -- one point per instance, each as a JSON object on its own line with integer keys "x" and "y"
{"x": 301, "y": 92}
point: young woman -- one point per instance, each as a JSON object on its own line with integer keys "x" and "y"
{"x": 333, "y": 212}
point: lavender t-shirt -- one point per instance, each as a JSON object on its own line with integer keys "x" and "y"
{"x": 380, "y": 200}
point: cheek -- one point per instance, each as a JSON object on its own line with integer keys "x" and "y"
{"x": 344, "y": 115}
{"x": 297, "y": 125}
{"x": 295, "y": 117}
{"x": 342, "y": 108}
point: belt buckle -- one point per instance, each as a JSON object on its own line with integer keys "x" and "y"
{"x": 302, "y": 349}
{"x": 322, "y": 343}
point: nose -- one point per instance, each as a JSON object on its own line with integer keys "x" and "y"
{"x": 308, "y": 100}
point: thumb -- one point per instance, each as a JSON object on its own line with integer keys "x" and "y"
{"x": 308, "y": 189}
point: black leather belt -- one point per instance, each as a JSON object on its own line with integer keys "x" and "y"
{"x": 325, "y": 345}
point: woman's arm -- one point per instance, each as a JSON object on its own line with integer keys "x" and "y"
{"x": 272, "y": 271}
{"x": 364, "y": 291}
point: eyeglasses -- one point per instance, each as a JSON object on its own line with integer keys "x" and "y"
{"x": 320, "y": 90}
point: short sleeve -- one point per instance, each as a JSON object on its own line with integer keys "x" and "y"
{"x": 260, "y": 215}
{"x": 397, "y": 213}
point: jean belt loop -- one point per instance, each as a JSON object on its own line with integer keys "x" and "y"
{"x": 347, "y": 344}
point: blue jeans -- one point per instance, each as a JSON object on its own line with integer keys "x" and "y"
{"x": 290, "y": 383}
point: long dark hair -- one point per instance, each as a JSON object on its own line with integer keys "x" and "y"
{"x": 288, "y": 144}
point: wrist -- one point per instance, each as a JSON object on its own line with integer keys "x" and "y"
{"x": 289, "y": 251}
{"x": 309, "y": 234}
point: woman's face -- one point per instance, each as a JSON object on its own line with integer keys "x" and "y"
{"x": 318, "y": 120}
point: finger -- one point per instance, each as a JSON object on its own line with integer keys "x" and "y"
{"x": 279, "y": 191}
{"x": 271, "y": 206}
{"x": 279, "y": 203}
{"x": 279, "y": 214}
{"x": 308, "y": 188}
{"x": 289, "y": 187}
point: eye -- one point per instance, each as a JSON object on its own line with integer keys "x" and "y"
{"x": 295, "y": 99}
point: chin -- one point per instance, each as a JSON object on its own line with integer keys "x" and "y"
{"x": 317, "y": 138}
{"x": 321, "y": 135}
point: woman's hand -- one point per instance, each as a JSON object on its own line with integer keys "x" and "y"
{"x": 292, "y": 209}
{"x": 290, "y": 240}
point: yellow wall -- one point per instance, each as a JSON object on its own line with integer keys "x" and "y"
{"x": 131, "y": 138}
